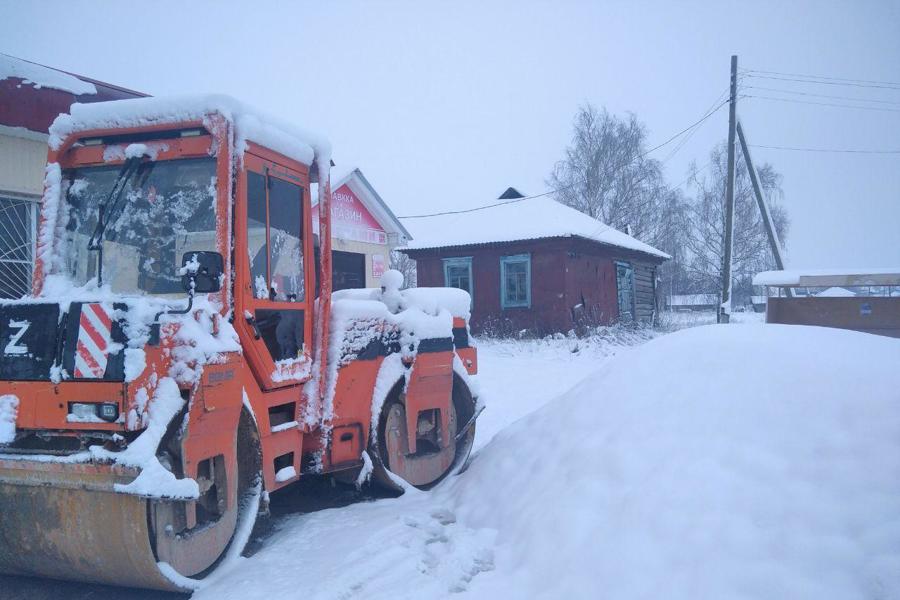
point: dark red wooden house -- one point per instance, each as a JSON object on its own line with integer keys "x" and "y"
{"x": 535, "y": 264}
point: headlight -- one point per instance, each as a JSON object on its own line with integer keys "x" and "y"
{"x": 85, "y": 412}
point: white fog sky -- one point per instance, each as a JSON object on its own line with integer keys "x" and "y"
{"x": 445, "y": 104}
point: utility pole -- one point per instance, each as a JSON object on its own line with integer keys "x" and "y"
{"x": 771, "y": 233}
{"x": 724, "y": 312}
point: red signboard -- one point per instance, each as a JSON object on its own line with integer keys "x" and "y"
{"x": 377, "y": 265}
{"x": 350, "y": 220}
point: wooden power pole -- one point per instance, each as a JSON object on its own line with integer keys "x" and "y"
{"x": 724, "y": 311}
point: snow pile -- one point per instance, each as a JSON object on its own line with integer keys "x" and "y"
{"x": 201, "y": 338}
{"x": 285, "y": 474}
{"x": 40, "y": 76}
{"x": 9, "y": 409}
{"x": 249, "y": 124}
{"x": 398, "y": 320}
{"x": 154, "y": 479}
{"x": 716, "y": 462}
{"x": 526, "y": 219}
{"x": 521, "y": 376}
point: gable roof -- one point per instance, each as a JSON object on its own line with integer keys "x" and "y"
{"x": 373, "y": 202}
{"x": 518, "y": 220}
{"x": 510, "y": 193}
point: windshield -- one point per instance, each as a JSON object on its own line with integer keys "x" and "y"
{"x": 167, "y": 209}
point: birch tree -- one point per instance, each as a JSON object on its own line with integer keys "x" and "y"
{"x": 751, "y": 252}
{"x": 605, "y": 174}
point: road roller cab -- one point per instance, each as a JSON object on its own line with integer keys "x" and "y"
{"x": 181, "y": 354}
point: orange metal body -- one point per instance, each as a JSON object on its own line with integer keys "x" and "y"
{"x": 246, "y": 378}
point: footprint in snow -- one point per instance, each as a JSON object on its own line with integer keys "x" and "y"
{"x": 451, "y": 552}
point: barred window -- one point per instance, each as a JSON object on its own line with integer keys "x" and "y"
{"x": 18, "y": 218}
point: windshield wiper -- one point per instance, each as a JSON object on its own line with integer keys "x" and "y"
{"x": 95, "y": 243}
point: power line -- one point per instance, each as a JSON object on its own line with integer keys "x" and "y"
{"x": 862, "y": 85}
{"x": 848, "y": 150}
{"x": 876, "y": 108}
{"x": 844, "y": 79}
{"x": 688, "y": 137}
{"x": 783, "y": 91}
{"x": 559, "y": 189}
{"x": 468, "y": 210}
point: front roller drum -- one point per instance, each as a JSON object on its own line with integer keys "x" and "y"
{"x": 64, "y": 521}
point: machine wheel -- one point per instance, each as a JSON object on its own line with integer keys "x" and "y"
{"x": 430, "y": 464}
{"x": 197, "y": 551}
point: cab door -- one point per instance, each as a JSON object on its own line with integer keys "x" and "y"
{"x": 273, "y": 252}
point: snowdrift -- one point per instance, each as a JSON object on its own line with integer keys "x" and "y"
{"x": 717, "y": 462}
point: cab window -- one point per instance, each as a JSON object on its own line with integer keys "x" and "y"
{"x": 275, "y": 238}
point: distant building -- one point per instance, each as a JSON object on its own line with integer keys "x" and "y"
{"x": 532, "y": 263}
{"x": 31, "y": 96}
{"x": 758, "y": 303}
{"x": 363, "y": 232}
{"x": 858, "y": 299}
{"x": 692, "y": 302}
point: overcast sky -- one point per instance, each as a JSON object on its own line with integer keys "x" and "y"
{"x": 446, "y": 104}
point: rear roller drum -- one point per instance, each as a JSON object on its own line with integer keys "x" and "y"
{"x": 431, "y": 462}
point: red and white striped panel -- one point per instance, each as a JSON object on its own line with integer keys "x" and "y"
{"x": 94, "y": 338}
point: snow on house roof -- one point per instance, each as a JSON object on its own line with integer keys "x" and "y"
{"x": 40, "y": 76}
{"x": 250, "y": 124}
{"x": 828, "y": 277}
{"x": 517, "y": 220}
{"x": 693, "y": 300}
{"x": 33, "y": 95}
{"x": 836, "y": 292}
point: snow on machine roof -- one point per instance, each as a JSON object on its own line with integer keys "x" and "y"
{"x": 250, "y": 124}
{"x": 526, "y": 219}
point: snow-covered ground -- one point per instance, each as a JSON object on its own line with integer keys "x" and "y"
{"x": 520, "y": 376}
{"x": 715, "y": 462}
{"x": 673, "y": 320}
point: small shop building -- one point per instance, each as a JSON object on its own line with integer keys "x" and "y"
{"x": 364, "y": 231}
{"x": 534, "y": 264}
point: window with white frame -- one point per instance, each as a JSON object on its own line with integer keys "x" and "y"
{"x": 18, "y": 219}
{"x": 458, "y": 273}
{"x": 515, "y": 281}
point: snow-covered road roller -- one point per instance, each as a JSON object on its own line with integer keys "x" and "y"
{"x": 182, "y": 355}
